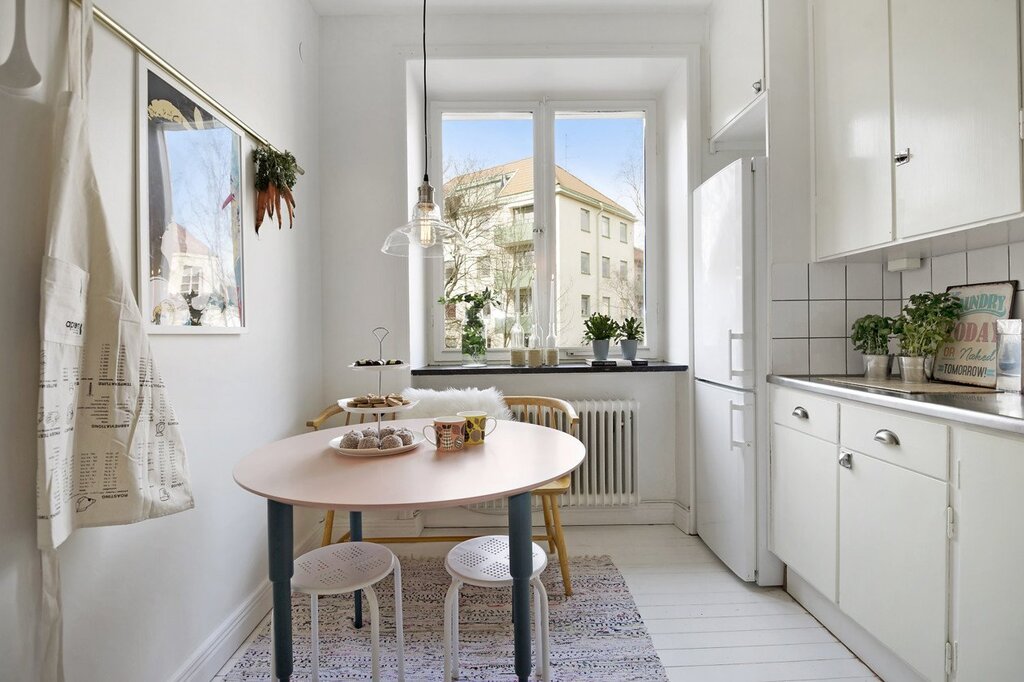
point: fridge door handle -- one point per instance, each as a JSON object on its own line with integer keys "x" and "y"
{"x": 733, "y": 443}
{"x": 733, "y": 336}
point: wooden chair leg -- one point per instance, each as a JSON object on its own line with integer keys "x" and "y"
{"x": 563, "y": 555}
{"x": 328, "y": 528}
{"x": 545, "y": 503}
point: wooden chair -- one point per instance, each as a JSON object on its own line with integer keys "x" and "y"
{"x": 543, "y": 411}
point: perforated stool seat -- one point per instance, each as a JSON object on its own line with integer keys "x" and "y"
{"x": 484, "y": 562}
{"x": 348, "y": 567}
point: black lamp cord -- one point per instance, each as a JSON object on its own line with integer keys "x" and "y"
{"x": 425, "y": 176}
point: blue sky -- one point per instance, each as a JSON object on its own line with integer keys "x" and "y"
{"x": 592, "y": 149}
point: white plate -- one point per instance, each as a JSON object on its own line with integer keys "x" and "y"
{"x": 404, "y": 365}
{"x": 417, "y": 438}
{"x": 343, "y": 404}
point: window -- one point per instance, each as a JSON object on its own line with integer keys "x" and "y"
{"x": 584, "y": 306}
{"x": 191, "y": 280}
{"x": 606, "y": 304}
{"x": 593, "y": 160}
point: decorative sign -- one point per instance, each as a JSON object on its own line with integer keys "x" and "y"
{"x": 970, "y": 358}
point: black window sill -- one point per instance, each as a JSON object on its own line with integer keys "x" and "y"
{"x": 563, "y": 368}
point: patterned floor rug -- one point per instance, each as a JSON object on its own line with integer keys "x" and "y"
{"x": 596, "y": 635}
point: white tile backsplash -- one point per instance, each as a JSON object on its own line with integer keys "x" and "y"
{"x": 828, "y": 356}
{"x": 892, "y": 286}
{"x": 854, "y": 359}
{"x": 864, "y": 280}
{"x": 858, "y": 309}
{"x": 917, "y": 281}
{"x": 949, "y": 270}
{"x": 827, "y": 281}
{"x": 789, "y": 319}
{"x": 828, "y": 318}
{"x": 1017, "y": 263}
{"x": 790, "y": 356}
{"x": 789, "y": 282}
{"x": 891, "y": 308}
{"x": 991, "y": 264}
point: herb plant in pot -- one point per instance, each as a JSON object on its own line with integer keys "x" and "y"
{"x": 598, "y": 331}
{"x": 631, "y": 332}
{"x": 474, "y": 338}
{"x": 925, "y": 324}
{"x": 871, "y": 337}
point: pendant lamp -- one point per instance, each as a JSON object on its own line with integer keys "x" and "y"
{"x": 425, "y": 232}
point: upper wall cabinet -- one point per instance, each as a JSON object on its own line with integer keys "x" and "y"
{"x": 916, "y": 117}
{"x": 736, "y": 59}
{"x": 853, "y": 132}
{"x": 955, "y": 77}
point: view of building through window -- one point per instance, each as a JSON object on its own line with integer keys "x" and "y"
{"x": 489, "y": 195}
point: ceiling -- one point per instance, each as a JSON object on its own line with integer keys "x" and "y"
{"x": 342, "y": 7}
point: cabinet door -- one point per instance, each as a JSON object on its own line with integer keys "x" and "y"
{"x": 736, "y": 47}
{"x": 804, "y": 483}
{"x": 852, "y": 125}
{"x": 893, "y": 559}
{"x": 989, "y": 551}
{"x": 955, "y": 71}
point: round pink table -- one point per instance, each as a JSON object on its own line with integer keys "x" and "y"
{"x": 303, "y": 471}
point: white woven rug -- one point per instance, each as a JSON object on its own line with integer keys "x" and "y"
{"x": 596, "y": 635}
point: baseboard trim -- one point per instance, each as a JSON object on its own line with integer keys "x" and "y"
{"x": 207, "y": 660}
{"x": 873, "y": 653}
{"x": 682, "y": 519}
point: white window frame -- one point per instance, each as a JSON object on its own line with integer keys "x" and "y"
{"x": 589, "y": 270}
{"x": 623, "y": 232}
{"x": 606, "y": 272}
{"x": 545, "y": 240}
{"x": 585, "y": 212}
{"x": 606, "y": 222}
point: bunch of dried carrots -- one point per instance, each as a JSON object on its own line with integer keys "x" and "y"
{"x": 275, "y": 177}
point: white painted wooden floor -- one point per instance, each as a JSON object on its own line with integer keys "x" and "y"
{"x": 707, "y": 625}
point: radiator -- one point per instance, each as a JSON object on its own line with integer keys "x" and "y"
{"x": 609, "y": 474}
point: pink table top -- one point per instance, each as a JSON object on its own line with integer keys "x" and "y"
{"x": 304, "y": 471}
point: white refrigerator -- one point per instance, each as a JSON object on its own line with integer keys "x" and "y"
{"x": 729, "y": 263}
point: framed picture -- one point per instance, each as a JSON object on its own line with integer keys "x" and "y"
{"x": 191, "y": 264}
{"x": 970, "y": 358}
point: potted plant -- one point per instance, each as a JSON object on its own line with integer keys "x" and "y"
{"x": 871, "y": 337}
{"x": 474, "y": 338}
{"x": 925, "y": 324}
{"x": 631, "y": 332}
{"x": 598, "y": 331}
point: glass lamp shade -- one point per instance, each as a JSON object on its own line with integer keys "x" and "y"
{"x": 425, "y": 232}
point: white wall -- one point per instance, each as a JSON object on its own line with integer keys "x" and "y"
{"x": 139, "y": 600}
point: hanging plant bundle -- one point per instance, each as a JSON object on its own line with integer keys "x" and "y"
{"x": 276, "y": 173}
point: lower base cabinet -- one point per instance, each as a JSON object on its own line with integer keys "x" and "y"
{"x": 893, "y": 556}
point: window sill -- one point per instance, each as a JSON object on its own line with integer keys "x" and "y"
{"x": 563, "y": 368}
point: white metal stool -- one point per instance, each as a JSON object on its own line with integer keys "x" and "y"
{"x": 348, "y": 567}
{"x": 484, "y": 562}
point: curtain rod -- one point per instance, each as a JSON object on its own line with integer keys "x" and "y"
{"x": 143, "y": 49}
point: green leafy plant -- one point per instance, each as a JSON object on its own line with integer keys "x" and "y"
{"x": 474, "y": 340}
{"x": 275, "y": 175}
{"x": 600, "y": 327}
{"x": 927, "y": 322}
{"x": 871, "y": 334}
{"x": 631, "y": 329}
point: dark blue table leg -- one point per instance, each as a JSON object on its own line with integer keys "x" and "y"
{"x": 521, "y": 566}
{"x": 355, "y": 529}
{"x": 280, "y": 541}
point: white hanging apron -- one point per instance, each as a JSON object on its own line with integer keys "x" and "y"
{"x": 109, "y": 448}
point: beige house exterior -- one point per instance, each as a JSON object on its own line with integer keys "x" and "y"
{"x": 600, "y": 267}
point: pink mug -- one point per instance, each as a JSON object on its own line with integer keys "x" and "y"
{"x": 449, "y": 433}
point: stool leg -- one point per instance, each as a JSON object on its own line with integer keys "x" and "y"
{"x": 448, "y": 617}
{"x": 371, "y": 599}
{"x": 538, "y": 646}
{"x": 455, "y": 632}
{"x": 399, "y": 627}
{"x": 314, "y": 636}
{"x": 545, "y": 633}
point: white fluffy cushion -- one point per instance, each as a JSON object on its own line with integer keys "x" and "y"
{"x": 454, "y": 400}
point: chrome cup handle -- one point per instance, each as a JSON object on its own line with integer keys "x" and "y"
{"x": 800, "y": 413}
{"x": 886, "y": 437}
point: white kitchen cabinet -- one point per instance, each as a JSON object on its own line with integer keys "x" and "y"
{"x": 893, "y": 558}
{"x": 956, "y": 85}
{"x": 852, "y": 110}
{"x": 804, "y": 486}
{"x": 736, "y": 58}
{"x": 989, "y": 553}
